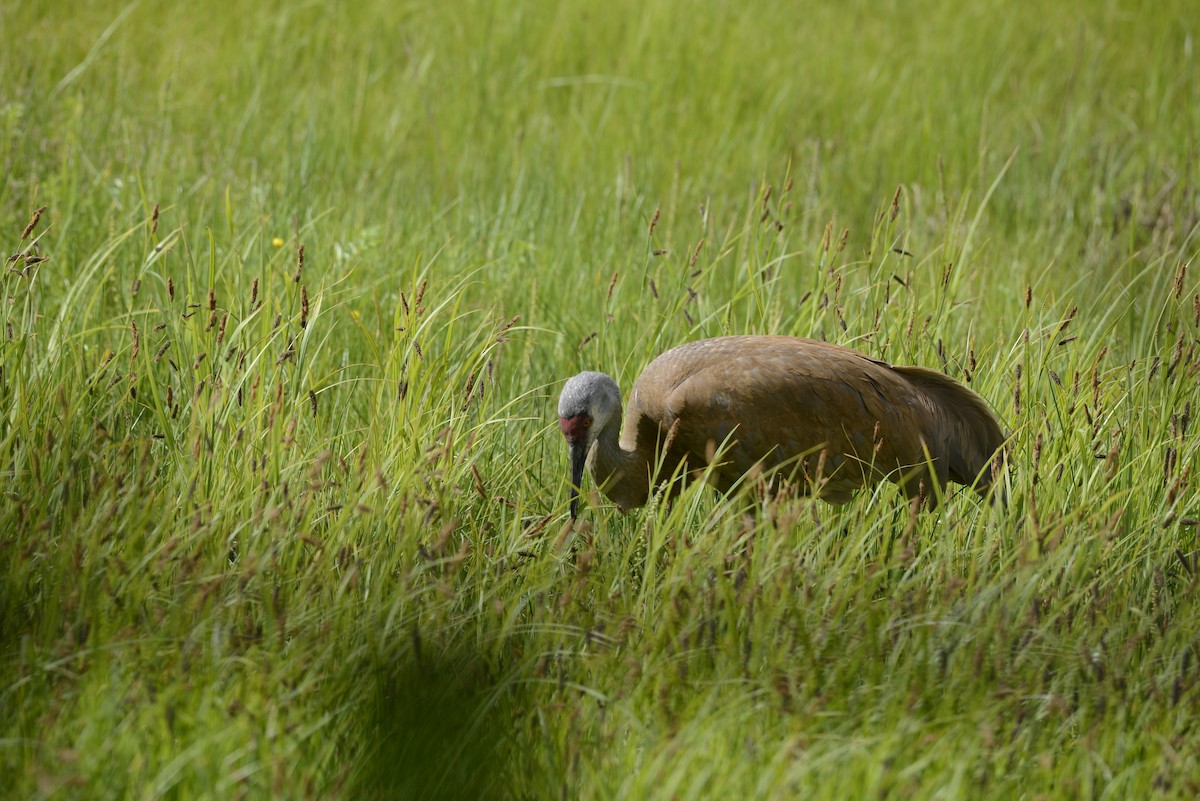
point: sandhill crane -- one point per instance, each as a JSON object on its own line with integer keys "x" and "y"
{"x": 827, "y": 417}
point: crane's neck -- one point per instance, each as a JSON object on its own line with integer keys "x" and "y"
{"x": 622, "y": 475}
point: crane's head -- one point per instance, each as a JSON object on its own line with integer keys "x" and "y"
{"x": 589, "y": 404}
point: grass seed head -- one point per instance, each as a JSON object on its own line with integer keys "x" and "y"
{"x": 303, "y": 307}
{"x": 33, "y": 223}
{"x": 467, "y": 391}
{"x": 508, "y": 327}
{"x": 299, "y": 264}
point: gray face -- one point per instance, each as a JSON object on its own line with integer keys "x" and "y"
{"x": 590, "y": 393}
{"x": 588, "y": 402}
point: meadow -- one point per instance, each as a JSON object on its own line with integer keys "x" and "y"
{"x": 289, "y": 293}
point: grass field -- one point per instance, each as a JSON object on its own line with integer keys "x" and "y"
{"x": 284, "y": 499}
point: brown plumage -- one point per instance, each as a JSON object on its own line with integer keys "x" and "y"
{"x": 824, "y": 416}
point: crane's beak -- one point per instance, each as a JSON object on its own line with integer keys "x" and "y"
{"x": 578, "y": 459}
{"x": 575, "y": 431}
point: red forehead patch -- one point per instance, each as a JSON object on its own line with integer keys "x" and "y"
{"x": 575, "y": 428}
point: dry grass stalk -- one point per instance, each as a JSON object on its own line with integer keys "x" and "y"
{"x": 479, "y": 488}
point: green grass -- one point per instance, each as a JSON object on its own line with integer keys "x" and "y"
{"x": 280, "y": 532}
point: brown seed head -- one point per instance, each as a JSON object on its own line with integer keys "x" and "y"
{"x": 467, "y": 391}
{"x": 33, "y": 222}
{"x": 299, "y": 264}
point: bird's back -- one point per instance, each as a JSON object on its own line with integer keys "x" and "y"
{"x": 800, "y": 405}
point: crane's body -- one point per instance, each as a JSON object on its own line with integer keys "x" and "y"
{"x": 823, "y": 416}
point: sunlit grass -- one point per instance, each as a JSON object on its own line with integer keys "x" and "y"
{"x": 284, "y": 505}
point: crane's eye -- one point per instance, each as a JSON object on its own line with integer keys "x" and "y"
{"x": 587, "y": 422}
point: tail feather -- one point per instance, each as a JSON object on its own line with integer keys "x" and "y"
{"x": 964, "y": 428}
